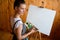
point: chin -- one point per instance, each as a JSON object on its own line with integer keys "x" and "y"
{"x": 21, "y": 14}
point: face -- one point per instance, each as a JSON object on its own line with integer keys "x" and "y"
{"x": 21, "y": 9}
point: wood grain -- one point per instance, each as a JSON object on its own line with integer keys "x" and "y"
{"x": 6, "y": 11}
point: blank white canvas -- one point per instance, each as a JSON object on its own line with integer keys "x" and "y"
{"x": 41, "y": 18}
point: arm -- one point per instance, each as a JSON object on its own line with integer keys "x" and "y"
{"x": 19, "y": 31}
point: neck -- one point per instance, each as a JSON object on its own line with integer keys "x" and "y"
{"x": 17, "y": 15}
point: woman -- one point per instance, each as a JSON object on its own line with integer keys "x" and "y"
{"x": 18, "y": 28}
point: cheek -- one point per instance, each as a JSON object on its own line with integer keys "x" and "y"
{"x": 21, "y": 10}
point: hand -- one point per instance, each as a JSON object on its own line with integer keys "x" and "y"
{"x": 33, "y": 30}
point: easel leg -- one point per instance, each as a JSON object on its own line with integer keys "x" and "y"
{"x": 40, "y": 36}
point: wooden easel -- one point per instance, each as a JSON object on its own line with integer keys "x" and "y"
{"x": 40, "y": 36}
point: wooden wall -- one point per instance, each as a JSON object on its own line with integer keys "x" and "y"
{"x": 6, "y": 11}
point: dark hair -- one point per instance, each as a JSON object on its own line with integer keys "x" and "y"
{"x": 18, "y": 2}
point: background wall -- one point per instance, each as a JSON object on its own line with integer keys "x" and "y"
{"x": 6, "y": 11}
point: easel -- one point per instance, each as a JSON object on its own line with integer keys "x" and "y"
{"x": 40, "y": 36}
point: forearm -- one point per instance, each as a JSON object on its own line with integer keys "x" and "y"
{"x": 25, "y": 35}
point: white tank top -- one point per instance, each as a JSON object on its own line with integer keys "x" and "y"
{"x": 13, "y": 20}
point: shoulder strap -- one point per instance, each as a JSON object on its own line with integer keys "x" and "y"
{"x": 15, "y": 23}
